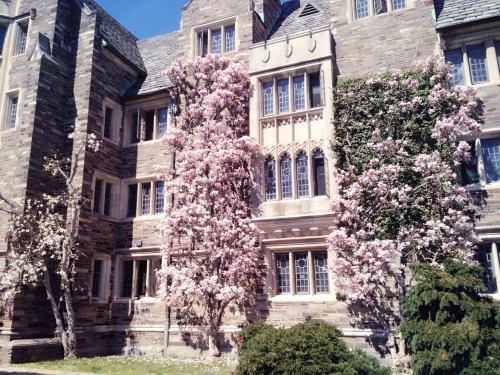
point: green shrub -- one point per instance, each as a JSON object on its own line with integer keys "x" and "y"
{"x": 309, "y": 348}
{"x": 449, "y": 328}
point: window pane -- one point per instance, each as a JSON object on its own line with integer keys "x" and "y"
{"x": 302, "y": 175}
{"x": 108, "y": 117}
{"x": 456, "y": 57}
{"x": 268, "y": 98}
{"x": 134, "y": 128}
{"x": 13, "y": 112}
{"x": 230, "y": 39}
{"x": 107, "y": 199}
{"x": 485, "y": 259}
{"x": 379, "y": 6}
{"x": 145, "y": 198}
{"x": 491, "y": 155}
{"x": 150, "y": 125}
{"x": 22, "y": 38}
{"x": 142, "y": 276}
{"x": 319, "y": 173}
{"x": 315, "y": 90}
{"x": 469, "y": 170}
{"x": 302, "y": 273}
{"x": 128, "y": 272}
{"x": 216, "y": 41}
{"x": 398, "y": 4}
{"x": 299, "y": 98}
{"x": 132, "y": 201}
{"x": 202, "y": 44}
{"x": 361, "y": 9}
{"x": 97, "y": 195}
{"x": 283, "y": 273}
{"x": 283, "y": 96}
{"x": 3, "y": 32}
{"x": 477, "y": 63}
{"x": 96, "y": 278}
{"x": 270, "y": 177}
{"x": 155, "y": 281}
{"x": 162, "y": 121}
{"x": 159, "y": 202}
{"x": 321, "y": 272}
{"x": 286, "y": 177}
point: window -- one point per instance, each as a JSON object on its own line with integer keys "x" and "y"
{"x": 147, "y": 125}
{"x": 108, "y": 119}
{"x": 286, "y": 177}
{"x": 146, "y": 198}
{"x": 103, "y": 195}
{"x": 3, "y": 33}
{"x": 138, "y": 278}
{"x": 365, "y": 8}
{"x": 455, "y": 57}
{"x": 302, "y": 175}
{"x": 477, "y": 63}
{"x": 468, "y": 168}
{"x": 484, "y": 165}
{"x": 111, "y": 120}
{"x": 218, "y": 40}
{"x": 100, "y": 277}
{"x": 21, "y": 37}
{"x": 292, "y": 94}
{"x": 302, "y": 273}
{"x": 491, "y": 156}
{"x": 487, "y": 257}
{"x": 319, "y": 173}
{"x": 270, "y": 177}
{"x": 12, "y": 106}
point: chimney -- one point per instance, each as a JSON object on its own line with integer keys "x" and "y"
{"x": 268, "y": 10}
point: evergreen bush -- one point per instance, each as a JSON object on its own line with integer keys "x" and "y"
{"x": 309, "y": 348}
{"x": 449, "y": 327}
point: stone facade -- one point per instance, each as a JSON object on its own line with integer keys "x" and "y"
{"x": 81, "y": 69}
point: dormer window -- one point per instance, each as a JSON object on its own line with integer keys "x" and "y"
{"x": 219, "y": 39}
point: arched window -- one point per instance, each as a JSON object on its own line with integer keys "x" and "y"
{"x": 270, "y": 178}
{"x": 319, "y": 173}
{"x": 302, "y": 175}
{"x": 286, "y": 177}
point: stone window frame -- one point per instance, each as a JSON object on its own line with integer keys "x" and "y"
{"x": 291, "y": 254}
{"x": 103, "y": 291}
{"x": 132, "y": 263}
{"x": 107, "y": 180}
{"x": 154, "y": 198}
{"x": 377, "y": 7}
{"x": 133, "y": 113}
{"x": 276, "y": 107}
{"x": 21, "y": 36}
{"x": 206, "y": 30}
{"x": 491, "y": 43}
{"x": 115, "y": 121}
{"x": 11, "y": 97}
{"x": 278, "y": 183}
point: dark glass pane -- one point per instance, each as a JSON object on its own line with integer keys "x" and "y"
{"x": 315, "y": 90}
{"x": 150, "y": 125}
{"x": 270, "y": 177}
{"x": 97, "y": 195}
{"x": 491, "y": 156}
{"x": 456, "y": 57}
{"x": 107, "y": 199}
{"x": 134, "y": 128}
{"x": 108, "y": 117}
{"x": 485, "y": 258}
{"x": 142, "y": 274}
{"x": 128, "y": 274}
{"x": 469, "y": 171}
{"x": 319, "y": 173}
{"x": 3, "y": 32}
{"x": 132, "y": 201}
{"x": 96, "y": 278}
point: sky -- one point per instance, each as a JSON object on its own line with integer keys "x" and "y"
{"x": 146, "y": 18}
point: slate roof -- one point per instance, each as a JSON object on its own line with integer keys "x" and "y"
{"x": 158, "y": 53}
{"x": 290, "y": 23}
{"x": 119, "y": 39}
{"x": 452, "y": 13}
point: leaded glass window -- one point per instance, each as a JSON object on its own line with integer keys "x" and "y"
{"x": 142, "y": 277}
{"x": 361, "y": 9}
{"x": 286, "y": 177}
{"x": 319, "y": 173}
{"x": 301, "y": 273}
{"x": 283, "y": 273}
{"x": 491, "y": 156}
{"x": 160, "y": 197}
{"x": 230, "y": 39}
{"x": 299, "y": 98}
{"x": 145, "y": 198}
{"x": 23, "y": 36}
{"x": 477, "y": 63}
{"x": 283, "y": 96}
{"x": 107, "y": 199}
{"x": 162, "y": 121}
{"x": 268, "y": 98}
{"x": 108, "y": 118}
{"x": 127, "y": 278}
{"x": 13, "y": 101}
{"x": 132, "y": 201}
{"x": 321, "y": 272}
{"x": 456, "y": 57}
{"x": 216, "y": 41}
{"x": 96, "y": 278}
{"x": 398, "y": 4}
{"x": 270, "y": 178}
{"x": 302, "y": 176}
{"x": 97, "y": 195}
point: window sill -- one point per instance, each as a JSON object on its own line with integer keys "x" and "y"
{"x": 301, "y": 199}
{"x": 143, "y": 218}
{"x": 135, "y": 299}
{"x": 320, "y": 297}
{"x": 158, "y": 140}
{"x": 295, "y": 113}
{"x": 479, "y": 187}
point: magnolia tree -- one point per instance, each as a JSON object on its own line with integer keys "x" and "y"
{"x": 42, "y": 236}
{"x": 212, "y": 251}
{"x": 397, "y": 147}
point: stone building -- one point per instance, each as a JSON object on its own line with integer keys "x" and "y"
{"x": 67, "y": 64}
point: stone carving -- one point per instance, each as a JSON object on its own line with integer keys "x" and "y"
{"x": 301, "y": 146}
{"x": 316, "y": 116}
{"x": 299, "y": 119}
{"x": 284, "y": 148}
{"x": 266, "y": 150}
{"x": 284, "y": 122}
{"x": 268, "y": 124}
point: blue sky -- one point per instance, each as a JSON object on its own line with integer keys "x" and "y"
{"x": 146, "y": 18}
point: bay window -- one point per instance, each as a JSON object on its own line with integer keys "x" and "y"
{"x": 138, "y": 277}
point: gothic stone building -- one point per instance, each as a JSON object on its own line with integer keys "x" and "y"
{"x": 67, "y": 64}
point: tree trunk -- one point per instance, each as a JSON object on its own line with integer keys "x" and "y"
{"x": 213, "y": 343}
{"x": 70, "y": 347}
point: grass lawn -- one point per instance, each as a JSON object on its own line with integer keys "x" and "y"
{"x": 136, "y": 366}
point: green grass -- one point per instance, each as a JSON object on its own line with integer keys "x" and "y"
{"x": 136, "y": 365}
